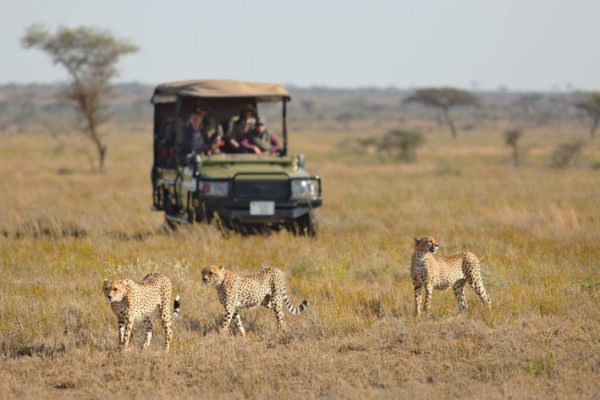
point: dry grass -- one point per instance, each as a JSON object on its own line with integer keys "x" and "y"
{"x": 535, "y": 227}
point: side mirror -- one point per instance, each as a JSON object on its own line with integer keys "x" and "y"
{"x": 300, "y": 160}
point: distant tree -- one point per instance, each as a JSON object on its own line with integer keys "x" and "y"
{"x": 591, "y": 105}
{"x": 402, "y": 144}
{"x": 511, "y": 139}
{"x": 90, "y": 57}
{"x": 444, "y": 99}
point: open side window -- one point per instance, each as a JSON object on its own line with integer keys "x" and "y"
{"x": 164, "y": 136}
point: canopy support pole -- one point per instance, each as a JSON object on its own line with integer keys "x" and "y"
{"x": 285, "y": 139}
{"x": 178, "y": 128}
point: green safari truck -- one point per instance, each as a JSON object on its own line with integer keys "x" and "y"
{"x": 209, "y": 166}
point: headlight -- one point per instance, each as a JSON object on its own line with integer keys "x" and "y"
{"x": 208, "y": 188}
{"x": 305, "y": 189}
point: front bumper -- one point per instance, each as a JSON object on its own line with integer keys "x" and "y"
{"x": 239, "y": 211}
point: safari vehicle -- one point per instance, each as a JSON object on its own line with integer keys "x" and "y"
{"x": 238, "y": 191}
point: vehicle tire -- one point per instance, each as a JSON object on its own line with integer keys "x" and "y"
{"x": 190, "y": 215}
{"x": 169, "y": 210}
{"x": 306, "y": 225}
{"x": 170, "y": 224}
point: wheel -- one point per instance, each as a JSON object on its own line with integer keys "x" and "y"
{"x": 170, "y": 224}
{"x": 170, "y": 210}
{"x": 190, "y": 215}
{"x": 306, "y": 225}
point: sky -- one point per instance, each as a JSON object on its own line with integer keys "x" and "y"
{"x": 475, "y": 44}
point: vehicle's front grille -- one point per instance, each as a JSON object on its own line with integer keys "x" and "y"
{"x": 261, "y": 190}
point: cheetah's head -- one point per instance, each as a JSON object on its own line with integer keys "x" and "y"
{"x": 213, "y": 275}
{"x": 114, "y": 291}
{"x": 426, "y": 243}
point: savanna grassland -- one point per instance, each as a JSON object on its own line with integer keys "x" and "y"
{"x": 65, "y": 228}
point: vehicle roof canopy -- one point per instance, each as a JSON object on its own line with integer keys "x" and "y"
{"x": 212, "y": 89}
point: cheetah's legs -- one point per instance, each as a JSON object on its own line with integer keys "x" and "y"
{"x": 121, "y": 331}
{"x": 417, "y": 300}
{"x": 229, "y": 313}
{"x": 238, "y": 323}
{"x": 477, "y": 286}
{"x": 165, "y": 317}
{"x": 127, "y": 333}
{"x": 278, "y": 309}
{"x": 148, "y": 325}
{"x": 459, "y": 293}
{"x": 428, "y": 293}
{"x": 277, "y": 303}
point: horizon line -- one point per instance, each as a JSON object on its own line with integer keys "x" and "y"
{"x": 501, "y": 89}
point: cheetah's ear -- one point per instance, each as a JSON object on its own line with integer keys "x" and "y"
{"x": 105, "y": 283}
{"x": 221, "y": 268}
{"x": 417, "y": 239}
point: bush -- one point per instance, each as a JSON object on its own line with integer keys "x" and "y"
{"x": 402, "y": 144}
{"x": 595, "y": 165}
{"x": 566, "y": 154}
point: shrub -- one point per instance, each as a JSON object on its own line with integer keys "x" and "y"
{"x": 402, "y": 144}
{"x": 566, "y": 154}
{"x": 595, "y": 165}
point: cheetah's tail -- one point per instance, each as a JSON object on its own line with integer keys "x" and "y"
{"x": 176, "y": 306}
{"x": 295, "y": 310}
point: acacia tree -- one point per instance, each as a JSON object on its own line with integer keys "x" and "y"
{"x": 443, "y": 99}
{"x": 591, "y": 105}
{"x": 511, "y": 139}
{"x": 90, "y": 57}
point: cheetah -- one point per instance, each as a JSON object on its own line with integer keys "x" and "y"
{"x": 131, "y": 301}
{"x": 266, "y": 288}
{"x": 440, "y": 273}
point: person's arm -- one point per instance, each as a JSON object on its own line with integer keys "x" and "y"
{"x": 276, "y": 145}
{"x": 232, "y": 127}
{"x": 216, "y": 140}
{"x": 216, "y": 136}
{"x": 246, "y": 144}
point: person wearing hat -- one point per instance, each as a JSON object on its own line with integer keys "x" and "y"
{"x": 239, "y": 126}
{"x": 260, "y": 140}
{"x": 200, "y": 133}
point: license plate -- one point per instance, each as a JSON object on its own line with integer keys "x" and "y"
{"x": 262, "y": 208}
